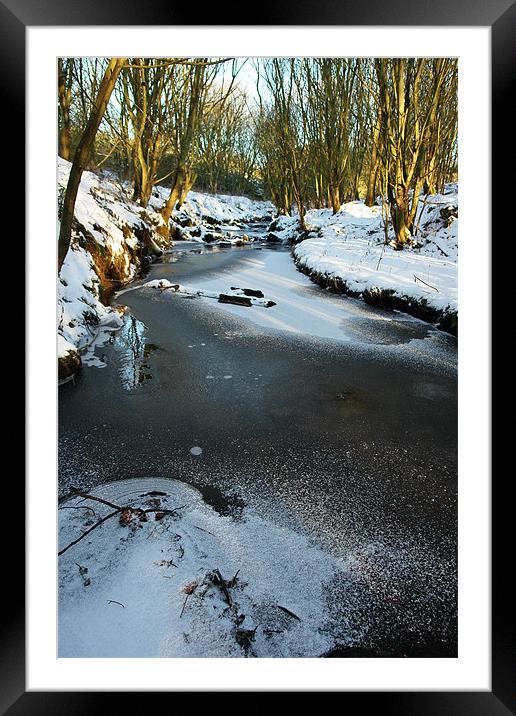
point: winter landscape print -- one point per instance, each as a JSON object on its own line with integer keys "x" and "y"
{"x": 257, "y": 324}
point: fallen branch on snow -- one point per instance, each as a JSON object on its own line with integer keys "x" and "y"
{"x": 218, "y": 580}
{"x": 287, "y": 611}
{"x": 416, "y": 278}
{"x": 77, "y": 507}
{"x": 84, "y": 534}
{"x": 126, "y": 514}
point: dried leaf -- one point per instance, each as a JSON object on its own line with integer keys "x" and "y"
{"x": 126, "y": 516}
{"x": 190, "y": 587}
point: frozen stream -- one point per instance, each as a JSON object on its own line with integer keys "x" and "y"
{"x": 332, "y": 422}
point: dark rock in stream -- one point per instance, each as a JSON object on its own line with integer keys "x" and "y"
{"x": 273, "y": 239}
{"x": 237, "y": 300}
{"x": 276, "y": 224}
{"x": 248, "y": 291}
{"x": 183, "y": 220}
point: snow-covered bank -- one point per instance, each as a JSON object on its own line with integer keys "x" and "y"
{"x": 214, "y": 219}
{"x": 346, "y": 253}
{"x": 170, "y": 577}
{"x": 112, "y": 237}
{"x": 220, "y": 208}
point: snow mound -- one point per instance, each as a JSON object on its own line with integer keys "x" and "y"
{"x": 283, "y": 228}
{"x": 170, "y": 577}
{"x": 217, "y": 208}
{"x": 80, "y": 312}
{"x": 350, "y": 248}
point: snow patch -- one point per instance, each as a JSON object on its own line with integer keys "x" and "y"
{"x": 218, "y": 208}
{"x": 350, "y": 248}
{"x": 183, "y": 581}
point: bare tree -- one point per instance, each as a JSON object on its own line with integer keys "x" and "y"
{"x": 330, "y": 92}
{"x": 83, "y": 151}
{"x": 185, "y": 111}
{"x": 227, "y": 150}
{"x": 145, "y": 88}
{"x": 64, "y": 87}
{"x": 411, "y": 94}
{"x": 285, "y": 122}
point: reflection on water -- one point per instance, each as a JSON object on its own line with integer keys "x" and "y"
{"x": 133, "y": 349}
{"x": 172, "y": 256}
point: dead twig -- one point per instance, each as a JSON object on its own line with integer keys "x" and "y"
{"x": 87, "y": 496}
{"x": 220, "y": 582}
{"x": 416, "y": 278}
{"x": 77, "y": 507}
{"x": 232, "y": 582}
{"x": 188, "y": 589}
{"x": 381, "y": 255}
{"x": 85, "y": 534}
{"x": 203, "y": 530}
{"x": 123, "y": 509}
{"x": 439, "y": 248}
{"x": 184, "y": 605}
{"x": 113, "y": 601}
{"x": 165, "y": 512}
{"x": 287, "y": 611}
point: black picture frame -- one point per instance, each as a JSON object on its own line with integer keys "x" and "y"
{"x": 500, "y": 16}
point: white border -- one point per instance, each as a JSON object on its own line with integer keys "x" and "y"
{"x": 471, "y": 671}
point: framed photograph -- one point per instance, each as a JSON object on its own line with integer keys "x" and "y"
{"x": 298, "y": 498}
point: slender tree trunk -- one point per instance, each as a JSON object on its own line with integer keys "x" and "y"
{"x": 300, "y": 207}
{"x": 399, "y": 214}
{"x": 83, "y": 153}
{"x": 189, "y": 181}
{"x": 415, "y": 203}
{"x": 65, "y": 95}
{"x": 286, "y": 200}
{"x": 151, "y": 178}
{"x": 430, "y": 183}
{"x": 173, "y": 196}
{"x": 141, "y": 175}
{"x": 144, "y": 176}
{"x": 375, "y": 162}
{"x": 371, "y": 185}
{"x": 335, "y": 199}
{"x": 191, "y": 127}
